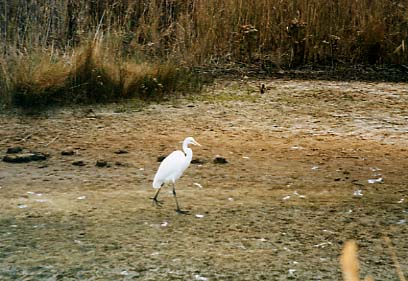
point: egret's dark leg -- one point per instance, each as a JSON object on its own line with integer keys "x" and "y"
{"x": 178, "y": 210}
{"x": 155, "y": 200}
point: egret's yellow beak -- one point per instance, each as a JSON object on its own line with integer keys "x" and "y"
{"x": 196, "y": 143}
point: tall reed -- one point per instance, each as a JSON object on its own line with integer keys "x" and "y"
{"x": 264, "y": 33}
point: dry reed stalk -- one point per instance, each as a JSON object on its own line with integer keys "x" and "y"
{"x": 394, "y": 257}
{"x": 349, "y": 261}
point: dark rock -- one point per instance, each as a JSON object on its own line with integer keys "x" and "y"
{"x": 198, "y": 161}
{"x": 160, "y": 158}
{"x": 67, "y": 152}
{"x": 38, "y": 156}
{"x": 18, "y": 158}
{"x": 25, "y": 157}
{"x": 101, "y": 163}
{"x": 121, "y": 151}
{"x": 220, "y": 160}
{"x": 78, "y": 163}
{"x": 15, "y": 149}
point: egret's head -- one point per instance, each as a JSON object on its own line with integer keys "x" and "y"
{"x": 190, "y": 140}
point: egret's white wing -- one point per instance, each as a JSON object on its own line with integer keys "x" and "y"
{"x": 170, "y": 169}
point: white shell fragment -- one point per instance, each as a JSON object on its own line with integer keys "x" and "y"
{"x": 322, "y": 245}
{"x": 199, "y": 216}
{"x": 358, "y": 193}
{"x": 375, "y": 180}
{"x": 198, "y": 185}
{"x": 292, "y": 272}
{"x": 299, "y": 195}
{"x": 402, "y": 222}
{"x": 200, "y": 278}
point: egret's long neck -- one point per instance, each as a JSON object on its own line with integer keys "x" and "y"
{"x": 188, "y": 152}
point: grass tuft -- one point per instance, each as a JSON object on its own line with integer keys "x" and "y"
{"x": 90, "y": 75}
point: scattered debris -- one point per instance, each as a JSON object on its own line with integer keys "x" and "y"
{"x": 401, "y": 201}
{"x": 124, "y": 272}
{"x": 286, "y": 197}
{"x": 401, "y": 222}
{"x": 164, "y": 224}
{"x": 101, "y": 163}
{"x": 322, "y": 245}
{"x": 379, "y": 180}
{"x": 198, "y": 185}
{"x": 78, "y": 163}
{"x": 230, "y": 199}
{"x": 296, "y": 147}
{"x": 262, "y": 88}
{"x": 299, "y": 195}
{"x": 22, "y": 206}
{"x": 292, "y": 272}
{"x": 81, "y": 197}
{"x": 15, "y": 149}
{"x": 67, "y": 152}
{"x": 199, "y": 216}
{"x": 25, "y": 157}
{"x": 121, "y": 151}
{"x": 219, "y": 160}
{"x": 198, "y": 161}
{"x": 358, "y": 193}
{"x": 245, "y": 157}
{"x": 315, "y": 167}
{"x": 200, "y": 278}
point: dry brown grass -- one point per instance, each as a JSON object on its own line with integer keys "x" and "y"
{"x": 350, "y": 265}
{"x": 266, "y": 33}
{"x": 88, "y": 74}
{"x": 394, "y": 257}
{"x": 349, "y": 261}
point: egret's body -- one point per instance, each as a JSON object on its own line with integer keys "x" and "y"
{"x": 172, "y": 168}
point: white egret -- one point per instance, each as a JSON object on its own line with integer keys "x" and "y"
{"x": 172, "y": 168}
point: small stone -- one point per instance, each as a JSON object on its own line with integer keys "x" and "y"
{"x": 19, "y": 158}
{"x": 78, "y": 163}
{"x": 197, "y": 161}
{"x": 220, "y": 160}
{"x": 67, "y": 152}
{"x": 15, "y": 149}
{"x": 38, "y": 156}
{"x": 25, "y": 157}
{"x": 121, "y": 151}
{"x": 101, "y": 163}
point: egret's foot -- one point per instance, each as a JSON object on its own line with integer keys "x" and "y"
{"x": 182, "y": 212}
{"x": 157, "y": 202}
